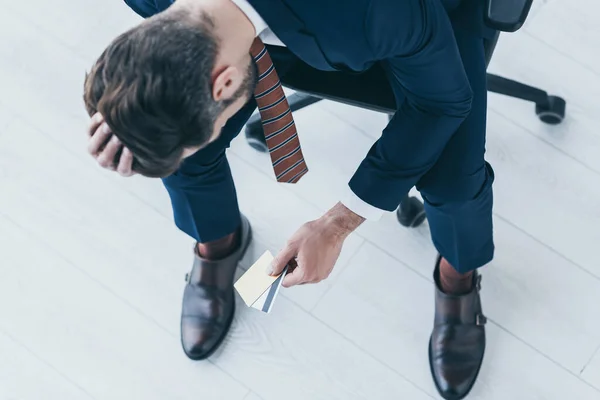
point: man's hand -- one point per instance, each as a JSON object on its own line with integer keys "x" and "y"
{"x": 313, "y": 250}
{"x": 104, "y": 147}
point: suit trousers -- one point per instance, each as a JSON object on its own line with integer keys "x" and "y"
{"x": 457, "y": 190}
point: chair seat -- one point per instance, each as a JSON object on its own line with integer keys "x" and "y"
{"x": 370, "y": 89}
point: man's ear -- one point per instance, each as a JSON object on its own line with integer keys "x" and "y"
{"x": 226, "y": 83}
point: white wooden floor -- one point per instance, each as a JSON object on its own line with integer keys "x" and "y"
{"x": 92, "y": 267}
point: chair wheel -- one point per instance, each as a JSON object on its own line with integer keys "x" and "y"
{"x": 553, "y": 112}
{"x": 411, "y": 213}
{"x": 256, "y": 138}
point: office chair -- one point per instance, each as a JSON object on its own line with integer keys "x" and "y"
{"x": 312, "y": 86}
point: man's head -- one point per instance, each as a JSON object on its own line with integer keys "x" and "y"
{"x": 164, "y": 90}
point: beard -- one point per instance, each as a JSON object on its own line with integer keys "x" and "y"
{"x": 247, "y": 87}
{"x": 251, "y": 78}
{"x": 246, "y": 91}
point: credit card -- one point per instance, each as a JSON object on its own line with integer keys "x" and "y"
{"x": 256, "y": 287}
{"x": 265, "y": 302}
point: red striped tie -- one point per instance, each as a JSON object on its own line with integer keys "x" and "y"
{"x": 278, "y": 124}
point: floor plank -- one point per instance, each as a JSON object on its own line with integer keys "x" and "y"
{"x": 542, "y": 66}
{"x": 535, "y": 9}
{"x": 535, "y": 184}
{"x": 5, "y": 117}
{"x": 592, "y": 371}
{"x": 577, "y": 37}
{"x": 252, "y": 396}
{"x": 19, "y": 368}
{"x": 525, "y": 276}
{"x": 118, "y": 18}
{"x": 94, "y": 224}
{"x": 542, "y": 298}
{"x": 290, "y": 354}
{"x": 42, "y": 81}
{"x": 396, "y": 310}
{"x": 71, "y": 21}
{"x": 89, "y": 334}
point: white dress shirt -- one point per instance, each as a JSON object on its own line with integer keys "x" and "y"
{"x": 349, "y": 198}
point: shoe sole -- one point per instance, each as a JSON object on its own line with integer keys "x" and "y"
{"x": 436, "y": 383}
{"x": 229, "y": 320}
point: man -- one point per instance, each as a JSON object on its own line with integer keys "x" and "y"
{"x": 168, "y": 96}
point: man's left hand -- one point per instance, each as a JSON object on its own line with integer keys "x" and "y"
{"x": 313, "y": 250}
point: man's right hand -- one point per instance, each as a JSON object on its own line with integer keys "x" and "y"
{"x": 104, "y": 147}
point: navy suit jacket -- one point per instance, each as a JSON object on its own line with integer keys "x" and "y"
{"x": 414, "y": 42}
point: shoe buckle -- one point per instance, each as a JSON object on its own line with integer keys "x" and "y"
{"x": 480, "y": 320}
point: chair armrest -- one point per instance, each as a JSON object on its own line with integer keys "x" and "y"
{"x": 506, "y": 15}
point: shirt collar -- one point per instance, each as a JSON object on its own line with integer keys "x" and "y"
{"x": 259, "y": 23}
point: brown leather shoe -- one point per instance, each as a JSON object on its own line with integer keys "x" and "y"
{"x": 209, "y": 300}
{"x": 457, "y": 343}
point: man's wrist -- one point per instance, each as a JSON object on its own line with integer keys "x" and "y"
{"x": 343, "y": 219}
{"x": 356, "y": 204}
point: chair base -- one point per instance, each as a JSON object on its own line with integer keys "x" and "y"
{"x": 411, "y": 212}
{"x": 553, "y": 112}
{"x": 549, "y": 109}
{"x": 254, "y": 139}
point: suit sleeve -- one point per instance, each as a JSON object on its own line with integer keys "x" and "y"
{"x": 147, "y": 8}
{"x": 414, "y": 42}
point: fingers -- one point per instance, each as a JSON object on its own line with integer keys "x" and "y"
{"x": 107, "y": 158}
{"x": 104, "y": 146}
{"x": 282, "y": 259}
{"x": 301, "y": 275}
{"x": 98, "y": 139}
{"x": 95, "y": 122}
{"x": 296, "y": 277}
{"x": 125, "y": 167}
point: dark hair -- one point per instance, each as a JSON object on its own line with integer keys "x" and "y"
{"x": 153, "y": 87}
